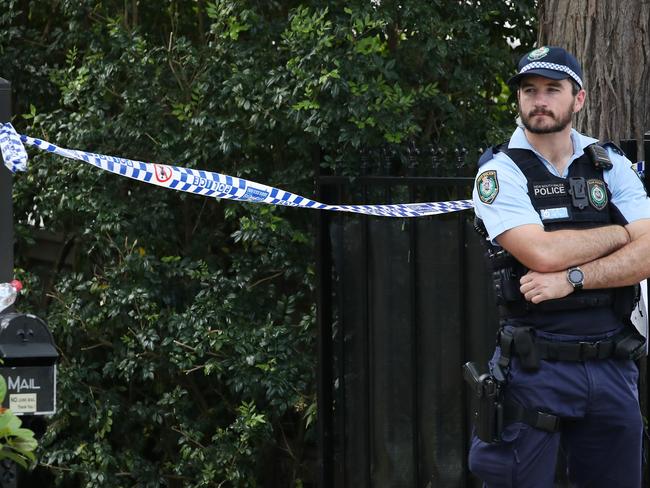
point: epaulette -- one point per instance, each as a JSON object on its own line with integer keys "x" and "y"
{"x": 489, "y": 153}
{"x": 613, "y": 147}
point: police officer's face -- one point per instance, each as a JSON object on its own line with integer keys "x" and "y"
{"x": 546, "y": 105}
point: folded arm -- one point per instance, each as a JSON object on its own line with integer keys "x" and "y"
{"x": 626, "y": 266}
{"x": 545, "y": 252}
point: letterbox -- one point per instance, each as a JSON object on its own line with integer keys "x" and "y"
{"x": 29, "y": 357}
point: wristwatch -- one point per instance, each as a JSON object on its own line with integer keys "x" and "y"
{"x": 576, "y": 277}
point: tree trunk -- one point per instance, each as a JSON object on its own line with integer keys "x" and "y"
{"x": 610, "y": 39}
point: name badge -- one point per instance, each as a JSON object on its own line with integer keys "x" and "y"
{"x": 560, "y": 213}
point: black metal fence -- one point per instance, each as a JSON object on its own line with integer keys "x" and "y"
{"x": 402, "y": 304}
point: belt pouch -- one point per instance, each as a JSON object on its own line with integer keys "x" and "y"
{"x": 630, "y": 346}
{"x": 525, "y": 348}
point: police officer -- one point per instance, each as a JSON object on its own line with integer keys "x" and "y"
{"x": 568, "y": 226}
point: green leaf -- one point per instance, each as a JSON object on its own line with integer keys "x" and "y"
{"x": 22, "y": 460}
{"x": 3, "y": 389}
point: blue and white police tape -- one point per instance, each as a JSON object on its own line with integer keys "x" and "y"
{"x": 13, "y": 151}
{"x": 207, "y": 183}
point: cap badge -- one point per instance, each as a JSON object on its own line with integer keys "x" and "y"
{"x": 538, "y": 53}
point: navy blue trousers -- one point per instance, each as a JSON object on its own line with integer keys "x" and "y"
{"x": 601, "y": 433}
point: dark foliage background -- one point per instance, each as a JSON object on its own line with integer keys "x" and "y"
{"x": 186, "y": 325}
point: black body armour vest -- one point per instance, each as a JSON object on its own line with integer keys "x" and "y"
{"x": 579, "y": 201}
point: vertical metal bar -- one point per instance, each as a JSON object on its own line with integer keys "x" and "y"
{"x": 366, "y": 375}
{"x": 462, "y": 316}
{"x": 413, "y": 322}
{"x": 324, "y": 342}
{"x": 6, "y": 202}
{"x": 324, "y": 318}
{"x": 415, "y": 349}
{"x": 341, "y": 403}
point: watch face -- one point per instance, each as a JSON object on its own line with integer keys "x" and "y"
{"x": 576, "y": 276}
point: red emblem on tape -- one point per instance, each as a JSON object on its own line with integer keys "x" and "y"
{"x": 163, "y": 173}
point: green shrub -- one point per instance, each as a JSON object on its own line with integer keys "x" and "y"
{"x": 186, "y": 325}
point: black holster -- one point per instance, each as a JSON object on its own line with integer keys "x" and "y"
{"x": 492, "y": 413}
{"x": 487, "y": 404}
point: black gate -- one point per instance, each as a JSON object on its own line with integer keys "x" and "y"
{"x": 402, "y": 304}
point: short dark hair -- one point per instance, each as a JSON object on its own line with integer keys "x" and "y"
{"x": 575, "y": 88}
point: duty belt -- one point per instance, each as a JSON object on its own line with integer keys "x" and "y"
{"x": 523, "y": 343}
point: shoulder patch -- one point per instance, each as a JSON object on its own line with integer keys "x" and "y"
{"x": 639, "y": 171}
{"x": 487, "y": 186}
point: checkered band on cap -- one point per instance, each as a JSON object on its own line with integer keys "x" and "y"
{"x": 551, "y": 66}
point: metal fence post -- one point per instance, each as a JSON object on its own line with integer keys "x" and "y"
{"x": 8, "y": 478}
{"x": 6, "y": 203}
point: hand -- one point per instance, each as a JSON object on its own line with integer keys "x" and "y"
{"x": 538, "y": 287}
